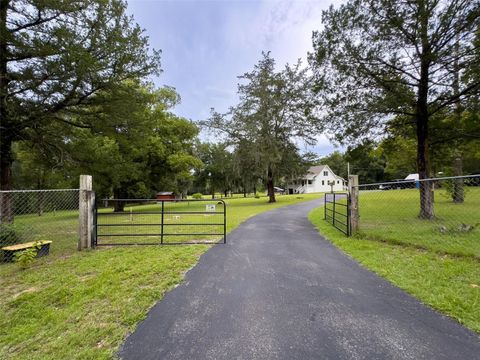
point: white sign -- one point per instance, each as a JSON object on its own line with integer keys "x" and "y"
{"x": 210, "y": 207}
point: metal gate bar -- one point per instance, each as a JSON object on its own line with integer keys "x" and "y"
{"x": 331, "y": 214}
{"x": 161, "y": 224}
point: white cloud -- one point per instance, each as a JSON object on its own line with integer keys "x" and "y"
{"x": 207, "y": 44}
{"x": 282, "y": 27}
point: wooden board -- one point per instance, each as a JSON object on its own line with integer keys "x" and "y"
{"x": 26, "y": 245}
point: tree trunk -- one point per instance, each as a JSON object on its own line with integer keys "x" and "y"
{"x": 270, "y": 185}
{"x": 6, "y": 138}
{"x": 458, "y": 194}
{"x": 40, "y": 203}
{"x": 426, "y": 187}
{"x": 421, "y": 119}
{"x": 40, "y": 195}
{"x": 118, "y": 206}
{"x": 6, "y": 160}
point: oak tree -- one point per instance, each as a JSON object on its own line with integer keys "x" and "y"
{"x": 55, "y": 55}
{"x": 375, "y": 59}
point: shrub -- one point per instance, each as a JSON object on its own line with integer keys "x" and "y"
{"x": 257, "y": 196}
{"x": 197, "y": 196}
{"x": 10, "y": 235}
{"x": 26, "y": 257}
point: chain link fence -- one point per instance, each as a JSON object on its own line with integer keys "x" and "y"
{"x": 442, "y": 214}
{"x": 38, "y": 216}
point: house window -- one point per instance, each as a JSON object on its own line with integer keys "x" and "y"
{"x": 338, "y": 182}
{"x": 309, "y": 182}
{"x": 323, "y": 182}
{"x": 325, "y": 173}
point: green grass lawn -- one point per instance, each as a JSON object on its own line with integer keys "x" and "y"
{"x": 441, "y": 271}
{"x": 81, "y": 305}
{"x": 392, "y": 216}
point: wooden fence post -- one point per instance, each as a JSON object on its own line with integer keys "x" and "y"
{"x": 86, "y": 203}
{"x": 353, "y": 191}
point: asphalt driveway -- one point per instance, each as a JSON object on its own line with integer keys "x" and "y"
{"x": 278, "y": 290}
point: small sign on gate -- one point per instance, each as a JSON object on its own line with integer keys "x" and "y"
{"x": 210, "y": 207}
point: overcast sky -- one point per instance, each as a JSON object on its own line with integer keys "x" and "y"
{"x": 207, "y": 44}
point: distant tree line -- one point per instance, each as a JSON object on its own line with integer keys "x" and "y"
{"x": 393, "y": 159}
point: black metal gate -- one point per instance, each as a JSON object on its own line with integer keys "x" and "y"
{"x": 159, "y": 222}
{"x": 337, "y": 211}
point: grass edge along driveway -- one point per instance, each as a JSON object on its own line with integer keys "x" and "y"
{"x": 447, "y": 283}
{"x": 83, "y": 305}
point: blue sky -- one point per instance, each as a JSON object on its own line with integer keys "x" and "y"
{"x": 207, "y": 44}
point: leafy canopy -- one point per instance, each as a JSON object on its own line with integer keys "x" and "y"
{"x": 376, "y": 59}
{"x": 55, "y": 56}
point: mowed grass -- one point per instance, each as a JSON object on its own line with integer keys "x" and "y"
{"x": 392, "y": 216}
{"x": 82, "y": 305}
{"x": 442, "y": 272}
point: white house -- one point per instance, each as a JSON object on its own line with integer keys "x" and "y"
{"x": 318, "y": 179}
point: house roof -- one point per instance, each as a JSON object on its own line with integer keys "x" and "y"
{"x": 314, "y": 171}
{"x": 165, "y": 193}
